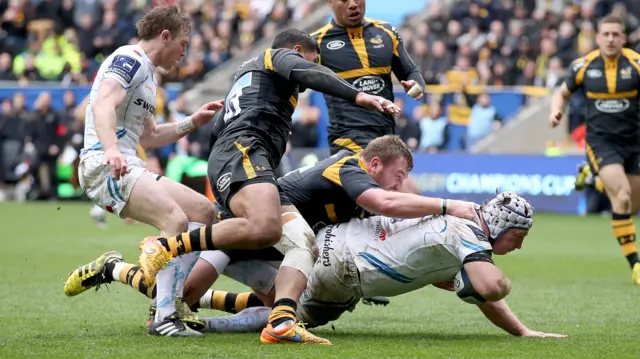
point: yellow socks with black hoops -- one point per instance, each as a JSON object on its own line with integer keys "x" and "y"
{"x": 193, "y": 241}
{"x": 283, "y": 310}
{"x": 625, "y": 231}
{"x": 130, "y": 275}
{"x": 229, "y": 302}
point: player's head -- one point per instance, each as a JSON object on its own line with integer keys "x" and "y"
{"x": 348, "y": 13}
{"x": 611, "y": 36}
{"x": 299, "y": 41}
{"x": 508, "y": 218}
{"x": 169, "y": 29}
{"x": 388, "y": 161}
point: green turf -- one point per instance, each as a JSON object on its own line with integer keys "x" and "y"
{"x": 570, "y": 277}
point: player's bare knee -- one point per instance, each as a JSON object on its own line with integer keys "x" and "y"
{"x": 266, "y": 232}
{"x": 205, "y": 211}
{"x": 622, "y": 200}
{"x": 176, "y": 221}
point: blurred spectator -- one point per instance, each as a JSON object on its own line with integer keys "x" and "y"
{"x": 6, "y": 72}
{"x": 65, "y": 40}
{"x": 484, "y": 119}
{"x": 433, "y": 130}
{"x": 304, "y": 131}
{"x": 408, "y": 129}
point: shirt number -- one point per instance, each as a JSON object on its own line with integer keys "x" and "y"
{"x": 232, "y": 102}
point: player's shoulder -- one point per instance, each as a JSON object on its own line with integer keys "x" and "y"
{"x": 631, "y": 55}
{"x": 466, "y": 226}
{"x": 282, "y": 52}
{"x": 585, "y": 60}
{"x": 379, "y": 23}
{"x": 322, "y": 31}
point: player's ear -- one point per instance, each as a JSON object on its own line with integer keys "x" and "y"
{"x": 165, "y": 35}
{"x": 299, "y": 49}
{"x": 375, "y": 164}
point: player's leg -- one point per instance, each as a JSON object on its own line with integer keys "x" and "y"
{"x": 630, "y": 250}
{"x": 250, "y": 195}
{"x": 610, "y": 168}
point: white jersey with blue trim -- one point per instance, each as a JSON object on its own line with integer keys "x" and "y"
{"x": 396, "y": 256}
{"x": 130, "y": 66}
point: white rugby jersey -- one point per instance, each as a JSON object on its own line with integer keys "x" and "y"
{"x": 131, "y": 67}
{"x": 396, "y": 256}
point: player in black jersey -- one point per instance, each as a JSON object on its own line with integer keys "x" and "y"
{"x": 257, "y": 123}
{"x": 610, "y": 78}
{"x": 364, "y": 52}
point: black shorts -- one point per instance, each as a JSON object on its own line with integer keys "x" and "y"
{"x": 601, "y": 152}
{"x": 235, "y": 164}
{"x": 356, "y": 142}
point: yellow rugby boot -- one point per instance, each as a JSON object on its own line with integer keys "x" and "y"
{"x": 153, "y": 257}
{"x": 636, "y": 273}
{"x": 90, "y": 275}
{"x": 294, "y": 333}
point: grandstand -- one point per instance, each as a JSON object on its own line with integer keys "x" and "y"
{"x": 499, "y": 55}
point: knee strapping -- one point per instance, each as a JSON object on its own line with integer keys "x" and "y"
{"x": 296, "y": 243}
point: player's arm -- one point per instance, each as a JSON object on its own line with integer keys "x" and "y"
{"x": 405, "y": 69}
{"x": 290, "y": 65}
{"x": 487, "y": 279}
{"x": 560, "y": 98}
{"x": 155, "y": 135}
{"x": 361, "y": 187}
{"x": 408, "y": 205}
{"x": 111, "y": 94}
{"x": 502, "y": 317}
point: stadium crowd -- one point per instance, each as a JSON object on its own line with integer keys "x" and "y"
{"x": 475, "y": 42}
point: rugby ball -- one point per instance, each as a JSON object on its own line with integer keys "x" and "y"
{"x": 465, "y": 290}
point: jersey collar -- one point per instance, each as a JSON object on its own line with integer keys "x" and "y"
{"x": 365, "y": 22}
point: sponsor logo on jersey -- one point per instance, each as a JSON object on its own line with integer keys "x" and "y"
{"x": 326, "y": 246}
{"x": 224, "y": 181}
{"x": 124, "y": 66}
{"x": 594, "y": 73}
{"x": 370, "y": 84}
{"x": 335, "y": 45}
{"x": 377, "y": 40}
{"x": 147, "y": 106}
{"x": 380, "y": 233}
{"x": 625, "y": 73}
{"x": 612, "y": 106}
{"x": 578, "y": 65}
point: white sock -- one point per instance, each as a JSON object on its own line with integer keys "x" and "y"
{"x": 250, "y": 320}
{"x": 186, "y": 263}
{"x": 166, "y": 290}
{"x": 205, "y": 301}
{"x": 117, "y": 269}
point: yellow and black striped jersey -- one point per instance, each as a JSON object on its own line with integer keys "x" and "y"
{"x": 364, "y": 56}
{"x": 611, "y": 90}
{"x": 326, "y": 192}
{"x": 262, "y": 99}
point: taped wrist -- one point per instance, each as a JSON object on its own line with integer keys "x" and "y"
{"x": 185, "y": 126}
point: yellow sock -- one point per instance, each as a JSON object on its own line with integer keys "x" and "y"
{"x": 232, "y": 302}
{"x": 625, "y": 231}
{"x": 132, "y": 276}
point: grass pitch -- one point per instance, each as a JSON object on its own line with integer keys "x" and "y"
{"x": 570, "y": 277}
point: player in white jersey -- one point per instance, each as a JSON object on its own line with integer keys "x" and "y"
{"x": 382, "y": 256}
{"x": 119, "y": 116}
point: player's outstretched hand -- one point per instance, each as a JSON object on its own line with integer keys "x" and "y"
{"x": 554, "y": 118}
{"x": 462, "y": 209}
{"x": 206, "y": 112}
{"x": 377, "y": 103}
{"x": 114, "y": 158}
{"x": 412, "y": 89}
{"x": 535, "y": 334}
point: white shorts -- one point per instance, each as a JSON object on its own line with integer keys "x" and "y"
{"x": 332, "y": 289}
{"x": 104, "y": 190}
